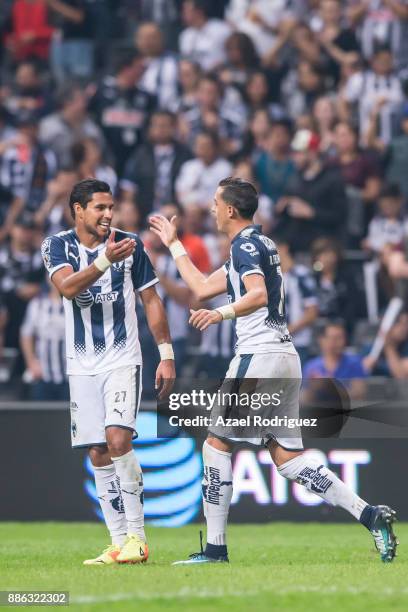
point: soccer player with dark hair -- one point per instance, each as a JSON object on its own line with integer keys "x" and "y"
{"x": 97, "y": 270}
{"x": 253, "y": 279}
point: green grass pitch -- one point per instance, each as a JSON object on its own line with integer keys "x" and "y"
{"x": 278, "y": 566}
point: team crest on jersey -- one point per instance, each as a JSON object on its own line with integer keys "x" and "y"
{"x": 118, "y": 265}
{"x": 45, "y": 252}
{"x": 248, "y": 247}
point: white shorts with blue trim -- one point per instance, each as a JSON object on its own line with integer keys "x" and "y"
{"x": 276, "y": 372}
{"x": 104, "y": 400}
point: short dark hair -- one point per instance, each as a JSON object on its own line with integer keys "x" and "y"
{"x": 124, "y": 59}
{"x": 240, "y": 194}
{"x": 390, "y": 190}
{"x": 83, "y": 191}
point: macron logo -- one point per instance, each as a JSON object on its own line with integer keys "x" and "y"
{"x": 106, "y": 297}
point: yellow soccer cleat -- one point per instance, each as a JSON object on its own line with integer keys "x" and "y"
{"x": 134, "y": 550}
{"x": 108, "y": 557}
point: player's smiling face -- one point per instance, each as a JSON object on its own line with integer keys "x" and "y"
{"x": 97, "y": 216}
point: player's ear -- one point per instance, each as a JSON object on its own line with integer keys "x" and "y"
{"x": 77, "y": 208}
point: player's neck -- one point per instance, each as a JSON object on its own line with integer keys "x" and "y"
{"x": 88, "y": 240}
{"x": 237, "y": 227}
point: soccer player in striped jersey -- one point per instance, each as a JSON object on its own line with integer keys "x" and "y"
{"x": 252, "y": 278}
{"x": 97, "y": 270}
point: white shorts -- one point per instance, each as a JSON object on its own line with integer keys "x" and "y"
{"x": 104, "y": 400}
{"x": 275, "y": 372}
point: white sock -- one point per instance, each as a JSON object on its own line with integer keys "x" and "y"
{"x": 322, "y": 481}
{"x": 131, "y": 485}
{"x": 109, "y": 495}
{"x": 217, "y": 492}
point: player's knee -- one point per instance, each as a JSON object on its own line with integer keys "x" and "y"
{"x": 119, "y": 441}
{"x": 99, "y": 455}
{"x": 280, "y": 455}
{"x": 218, "y": 444}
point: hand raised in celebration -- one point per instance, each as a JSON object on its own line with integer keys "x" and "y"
{"x": 166, "y": 230}
{"x": 118, "y": 251}
{"x": 201, "y": 319}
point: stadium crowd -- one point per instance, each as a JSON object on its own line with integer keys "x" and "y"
{"x": 308, "y": 99}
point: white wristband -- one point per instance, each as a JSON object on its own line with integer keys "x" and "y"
{"x": 177, "y": 250}
{"x": 227, "y": 311}
{"x": 166, "y": 351}
{"x": 102, "y": 263}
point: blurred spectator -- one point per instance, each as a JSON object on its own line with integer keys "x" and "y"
{"x": 203, "y": 39}
{"x": 397, "y": 155}
{"x": 69, "y": 124}
{"x": 42, "y": 341}
{"x": 242, "y": 59}
{"x": 21, "y": 274}
{"x": 28, "y": 92}
{"x": 314, "y": 203}
{"x": 258, "y": 94}
{"x": 189, "y": 77}
{"x": 122, "y": 108}
{"x": 257, "y": 135}
{"x": 54, "y": 214}
{"x": 26, "y": 168}
{"x": 87, "y": 160}
{"x": 396, "y": 348}
{"x": 301, "y": 303}
{"x": 361, "y": 172}
{"x": 212, "y": 112}
{"x": 7, "y": 131}
{"x": 29, "y": 31}
{"x": 324, "y": 115}
{"x": 302, "y": 87}
{"x": 338, "y": 42}
{"x": 150, "y": 173}
{"x": 127, "y": 217}
{"x": 381, "y": 22}
{"x": 72, "y": 47}
{"x": 387, "y": 227}
{"x": 166, "y": 13}
{"x": 335, "y": 283}
{"x": 161, "y": 68}
{"x": 199, "y": 177}
{"x": 260, "y": 19}
{"x": 274, "y": 166}
{"x": 336, "y": 363}
{"x": 376, "y": 95}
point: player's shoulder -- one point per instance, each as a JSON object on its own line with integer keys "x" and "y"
{"x": 66, "y": 236}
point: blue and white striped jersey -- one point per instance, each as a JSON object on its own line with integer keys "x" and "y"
{"x": 300, "y": 292}
{"x": 265, "y": 329}
{"x": 100, "y": 323}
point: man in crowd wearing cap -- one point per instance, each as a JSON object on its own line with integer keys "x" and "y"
{"x": 314, "y": 204}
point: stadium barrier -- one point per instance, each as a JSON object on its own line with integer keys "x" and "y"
{"x": 44, "y": 479}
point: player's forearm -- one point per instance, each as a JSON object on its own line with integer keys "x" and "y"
{"x": 250, "y": 302}
{"x": 27, "y": 347}
{"x": 156, "y": 316}
{"x": 193, "y": 278}
{"x": 75, "y": 283}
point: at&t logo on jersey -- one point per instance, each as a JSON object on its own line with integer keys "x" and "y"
{"x": 172, "y": 471}
{"x": 86, "y": 299}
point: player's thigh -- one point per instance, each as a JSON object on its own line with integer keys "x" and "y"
{"x": 122, "y": 390}
{"x": 87, "y": 411}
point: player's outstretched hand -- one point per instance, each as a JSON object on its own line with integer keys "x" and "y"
{"x": 165, "y": 229}
{"x": 118, "y": 251}
{"x": 165, "y": 376}
{"x": 201, "y": 319}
